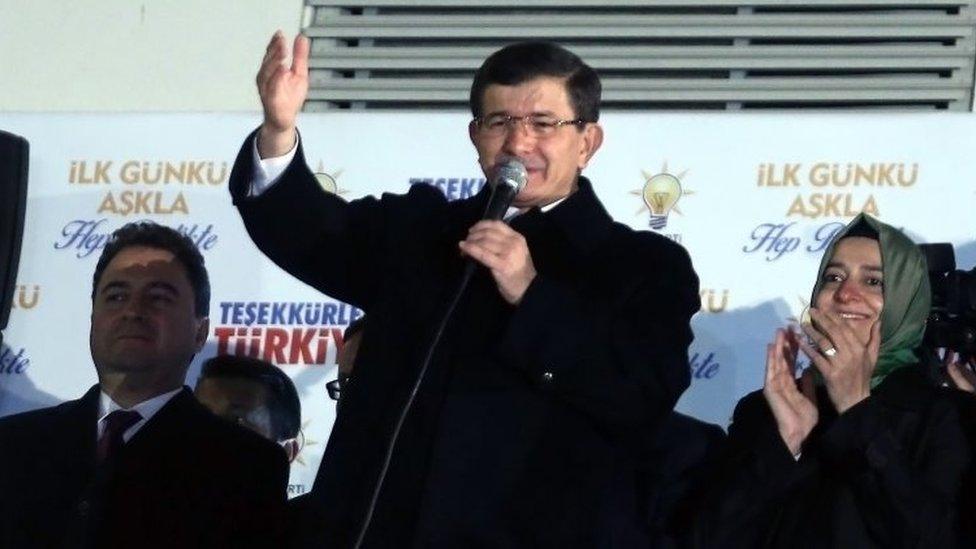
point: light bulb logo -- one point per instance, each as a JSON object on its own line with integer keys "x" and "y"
{"x": 660, "y": 195}
{"x": 328, "y": 181}
{"x": 301, "y": 442}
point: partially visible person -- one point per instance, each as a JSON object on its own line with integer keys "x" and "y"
{"x": 137, "y": 461}
{"x": 302, "y": 508}
{"x": 255, "y": 394}
{"x": 962, "y": 372}
{"x": 684, "y": 453}
{"x": 867, "y": 449}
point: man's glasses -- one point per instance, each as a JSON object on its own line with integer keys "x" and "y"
{"x": 540, "y": 126}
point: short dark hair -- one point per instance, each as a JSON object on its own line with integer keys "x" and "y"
{"x": 284, "y": 405}
{"x": 524, "y": 61}
{"x": 153, "y": 235}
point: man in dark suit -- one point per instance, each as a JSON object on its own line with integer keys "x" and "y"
{"x": 136, "y": 461}
{"x": 569, "y": 343}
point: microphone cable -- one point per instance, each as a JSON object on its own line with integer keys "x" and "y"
{"x": 465, "y": 278}
{"x": 508, "y": 182}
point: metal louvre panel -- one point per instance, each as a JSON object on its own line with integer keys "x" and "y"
{"x": 718, "y": 54}
{"x": 611, "y": 4}
{"x": 666, "y": 57}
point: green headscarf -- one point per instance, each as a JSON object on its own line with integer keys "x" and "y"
{"x": 906, "y": 292}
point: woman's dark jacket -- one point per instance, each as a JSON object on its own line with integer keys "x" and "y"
{"x": 890, "y": 472}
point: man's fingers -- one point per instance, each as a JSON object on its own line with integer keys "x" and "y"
{"x": 494, "y": 255}
{"x": 299, "y": 62}
{"x": 496, "y": 237}
{"x": 273, "y": 67}
{"x": 493, "y": 241}
{"x": 272, "y": 80}
{"x": 492, "y": 250}
{"x": 480, "y": 254}
{"x": 471, "y": 250}
{"x": 267, "y": 67}
{"x": 272, "y": 60}
{"x": 274, "y": 45}
{"x": 276, "y": 39}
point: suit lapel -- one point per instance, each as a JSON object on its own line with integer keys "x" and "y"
{"x": 165, "y": 427}
{"x": 75, "y": 437}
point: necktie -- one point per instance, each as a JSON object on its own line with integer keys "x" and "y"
{"x": 116, "y": 423}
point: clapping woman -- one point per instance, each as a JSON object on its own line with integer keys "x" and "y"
{"x": 866, "y": 449}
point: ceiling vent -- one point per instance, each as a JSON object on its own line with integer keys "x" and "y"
{"x": 654, "y": 54}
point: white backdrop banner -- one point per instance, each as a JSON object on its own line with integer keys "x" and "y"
{"x": 753, "y": 197}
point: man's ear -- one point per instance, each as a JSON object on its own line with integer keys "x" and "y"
{"x": 592, "y": 139}
{"x": 203, "y": 330}
{"x": 292, "y": 447}
{"x": 472, "y": 129}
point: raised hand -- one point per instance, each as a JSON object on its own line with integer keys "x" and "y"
{"x": 504, "y": 251}
{"x": 845, "y": 361}
{"x": 795, "y": 408}
{"x": 283, "y": 89}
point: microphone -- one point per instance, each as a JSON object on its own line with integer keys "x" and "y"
{"x": 510, "y": 178}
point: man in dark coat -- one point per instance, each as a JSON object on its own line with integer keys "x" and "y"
{"x": 568, "y": 345}
{"x": 137, "y": 461}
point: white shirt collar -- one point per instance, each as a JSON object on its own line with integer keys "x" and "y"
{"x": 147, "y": 409}
{"x": 512, "y": 211}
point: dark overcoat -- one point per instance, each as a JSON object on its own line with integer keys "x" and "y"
{"x": 531, "y": 418}
{"x": 891, "y": 472}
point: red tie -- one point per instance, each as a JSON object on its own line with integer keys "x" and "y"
{"x": 116, "y": 423}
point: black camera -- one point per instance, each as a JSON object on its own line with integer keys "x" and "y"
{"x": 952, "y": 319}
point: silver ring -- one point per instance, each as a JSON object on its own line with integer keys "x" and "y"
{"x": 829, "y": 352}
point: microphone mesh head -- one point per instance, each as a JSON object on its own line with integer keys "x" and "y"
{"x": 511, "y": 172}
